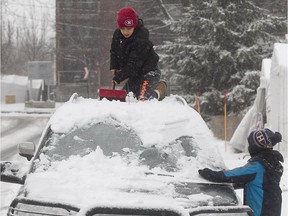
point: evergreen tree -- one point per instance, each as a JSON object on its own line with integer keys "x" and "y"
{"x": 221, "y": 46}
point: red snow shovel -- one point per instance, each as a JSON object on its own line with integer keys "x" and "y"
{"x": 112, "y": 94}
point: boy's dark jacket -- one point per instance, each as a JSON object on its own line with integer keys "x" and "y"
{"x": 133, "y": 56}
{"x": 260, "y": 177}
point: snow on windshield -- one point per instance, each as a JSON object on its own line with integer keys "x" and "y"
{"x": 167, "y": 126}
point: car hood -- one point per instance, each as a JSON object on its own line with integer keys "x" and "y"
{"x": 129, "y": 184}
{"x": 152, "y": 193}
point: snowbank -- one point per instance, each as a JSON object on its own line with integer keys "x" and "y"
{"x": 19, "y": 87}
{"x": 14, "y": 85}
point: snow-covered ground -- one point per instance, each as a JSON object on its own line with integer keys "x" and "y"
{"x": 9, "y": 191}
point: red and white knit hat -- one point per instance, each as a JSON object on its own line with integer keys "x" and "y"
{"x": 127, "y": 17}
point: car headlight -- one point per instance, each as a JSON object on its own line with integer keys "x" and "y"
{"x": 222, "y": 211}
{"x": 223, "y": 214}
{"x": 26, "y": 207}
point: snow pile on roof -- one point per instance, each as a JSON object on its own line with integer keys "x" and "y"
{"x": 147, "y": 119}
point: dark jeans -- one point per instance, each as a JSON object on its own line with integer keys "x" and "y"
{"x": 143, "y": 88}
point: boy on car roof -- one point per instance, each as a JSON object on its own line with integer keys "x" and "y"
{"x": 132, "y": 57}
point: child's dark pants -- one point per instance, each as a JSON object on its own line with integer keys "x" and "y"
{"x": 143, "y": 88}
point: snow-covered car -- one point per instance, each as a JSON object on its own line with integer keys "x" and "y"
{"x": 100, "y": 157}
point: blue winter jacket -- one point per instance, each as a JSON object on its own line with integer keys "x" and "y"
{"x": 260, "y": 178}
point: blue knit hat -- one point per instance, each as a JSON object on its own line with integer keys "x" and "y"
{"x": 264, "y": 139}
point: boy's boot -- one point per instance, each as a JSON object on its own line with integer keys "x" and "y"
{"x": 161, "y": 89}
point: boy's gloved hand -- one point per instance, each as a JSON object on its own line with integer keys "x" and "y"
{"x": 215, "y": 176}
{"x": 119, "y": 76}
{"x": 206, "y": 173}
{"x": 114, "y": 84}
{"x": 115, "y": 80}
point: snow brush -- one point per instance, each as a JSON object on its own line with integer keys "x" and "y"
{"x": 112, "y": 94}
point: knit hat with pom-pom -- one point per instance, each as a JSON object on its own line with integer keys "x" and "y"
{"x": 264, "y": 139}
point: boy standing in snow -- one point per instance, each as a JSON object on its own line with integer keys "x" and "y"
{"x": 260, "y": 176}
{"x": 132, "y": 57}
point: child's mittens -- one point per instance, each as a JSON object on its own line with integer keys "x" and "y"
{"x": 206, "y": 173}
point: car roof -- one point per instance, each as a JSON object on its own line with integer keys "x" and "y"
{"x": 153, "y": 121}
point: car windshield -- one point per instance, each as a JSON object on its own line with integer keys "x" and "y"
{"x": 110, "y": 138}
{"x": 114, "y": 138}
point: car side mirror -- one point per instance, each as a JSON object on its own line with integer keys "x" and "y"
{"x": 11, "y": 172}
{"x": 26, "y": 149}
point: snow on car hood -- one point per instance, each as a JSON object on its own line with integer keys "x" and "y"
{"x": 98, "y": 179}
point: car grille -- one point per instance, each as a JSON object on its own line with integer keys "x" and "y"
{"x": 27, "y": 207}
